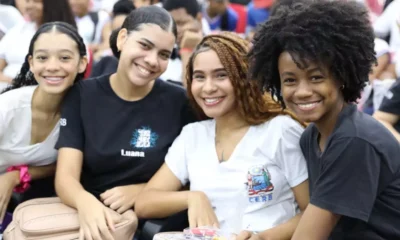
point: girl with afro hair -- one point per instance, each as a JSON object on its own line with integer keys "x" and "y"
{"x": 315, "y": 59}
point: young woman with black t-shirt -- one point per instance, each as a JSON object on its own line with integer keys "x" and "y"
{"x": 316, "y": 59}
{"x": 116, "y": 129}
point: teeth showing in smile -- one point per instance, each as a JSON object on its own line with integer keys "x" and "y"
{"x": 144, "y": 71}
{"x": 212, "y": 100}
{"x": 54, "y": 79}
{"x": 307, "y": 106}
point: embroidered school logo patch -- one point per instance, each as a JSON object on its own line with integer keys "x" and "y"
{"x": 144, "y": 138}
{"x": 259, "y": 184}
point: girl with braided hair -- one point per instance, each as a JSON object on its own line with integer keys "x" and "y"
{"x": 245, "y": 137}
{"x": 316, "y": 59}
{"x": 30, "y": 112}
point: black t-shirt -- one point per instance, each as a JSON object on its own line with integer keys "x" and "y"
{"x": 391, "y": 103}
{"x": 122, "y": 142}
{"x": 357, "y": 176}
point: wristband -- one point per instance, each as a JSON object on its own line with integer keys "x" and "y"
{"x": 24, "y": 178}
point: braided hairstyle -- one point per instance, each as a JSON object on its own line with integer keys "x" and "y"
{"x": 336, "y": 35}
{"x": 254, "y": 106}
{"x": 25, "y": 76}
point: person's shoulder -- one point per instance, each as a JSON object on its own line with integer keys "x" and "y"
{"x": 199, "y": 128}
{"x": 17, "y": 98}
{"x": 171, "y": 89}
{"x": 282, "y": 124}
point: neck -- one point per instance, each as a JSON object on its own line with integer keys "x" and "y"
{"x": 124, "y": 88}
{"x": 47, "y": 103}
{"x": 229, "y": 122}
{"x": 327, "y": 124}
{"x": 82, "y": 14}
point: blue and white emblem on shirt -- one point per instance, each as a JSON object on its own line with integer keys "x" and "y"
{"x": 144, "y": 137}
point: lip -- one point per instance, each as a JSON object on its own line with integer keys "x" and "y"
{"x": 212, "y": 101}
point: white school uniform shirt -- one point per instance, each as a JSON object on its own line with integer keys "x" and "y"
{"x": 389, "y": 23}
{"x": 266, "y": 164}
{"x": 14, "y": 47}
{"x": 15, "y": 132}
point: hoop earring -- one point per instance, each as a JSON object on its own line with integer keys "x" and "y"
{"x": 342, "y": 87}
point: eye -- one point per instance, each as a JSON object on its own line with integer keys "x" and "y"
{"x": 41, "y": 58}
{"x": 198, "y": 77}
{"x": 289, "y": 81}
{"x": 65, "y": 58}
{"x": 144, "y": 46}
{"x": 164, "y": 56}
{"x": 221, "y": 76}
{"x": 317, "y": 78}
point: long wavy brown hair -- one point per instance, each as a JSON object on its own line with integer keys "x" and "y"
{"x": 254, "y": 105}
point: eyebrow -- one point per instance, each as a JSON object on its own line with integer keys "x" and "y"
{"x": 214, "y": 70}
{"x": 153, "y": 45}
{"x": 44, "y": 50}
{"x": 308, "y": 71}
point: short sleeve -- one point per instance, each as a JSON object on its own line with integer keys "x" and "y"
{"x": 349, "y": 177}
{"x": 391, "y": 101}
{"x": 71, "y": 130}
{"x": 176, "y": 158}
{"x": 291, "y": 159}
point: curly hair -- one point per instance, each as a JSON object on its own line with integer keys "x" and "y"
{"x": 254, "y": 106}
{"x": 336, "y": 35}
{"x": 25, "y": 76}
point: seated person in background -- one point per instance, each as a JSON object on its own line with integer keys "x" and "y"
{"x": 258, "y": 11}
{"x": 389, "y": 111}
{"x": 191, "y": 29}
{"x": 248, "y": 140}
{"x": 220, "y": 16}
{"x": 90, "y": 24}
{"x": 317, "y": 70}
{"x": 105, "y": 61}
{"x": 29, "y": 112}
{"x": 117, "y": 128}
{"x": 388, "y": 25}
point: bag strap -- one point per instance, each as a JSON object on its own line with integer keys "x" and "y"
{"x": 95, "y": 19}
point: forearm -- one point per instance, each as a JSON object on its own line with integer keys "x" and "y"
{"x": 391, "y": 129}
{"x": 39, "y": 172}
{"x": 283, "y": 231}
{"x": 159, "y": 204}
{"x": 69, "y": 189}
{"x": 4, "y": 78}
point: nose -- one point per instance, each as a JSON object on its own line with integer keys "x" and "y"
{"x": 304, "y": 90}
{"x": 209, "y": 86}
{"x": 151, "y": 59}
{"x": 53, "y": 64}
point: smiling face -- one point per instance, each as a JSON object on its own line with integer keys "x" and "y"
{"x": 311, "y": 93}
{"x": 211, "y": 86}
{"x": 144, "y": 53}
{"x": 56, "y": 62}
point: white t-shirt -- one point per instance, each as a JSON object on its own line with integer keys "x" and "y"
{"x": 15, "y": 132}
{"x": 266, "y": 164}
{"x": 86, "y": 27}
{"x": 9, "y": 17}
{"x": 389, "y": 23}
{"x": 14, "y": 47}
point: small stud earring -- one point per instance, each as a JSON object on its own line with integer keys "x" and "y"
{"x": 342, "y": 87}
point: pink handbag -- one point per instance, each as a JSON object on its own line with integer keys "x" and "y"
{"x": 50, "y": 219}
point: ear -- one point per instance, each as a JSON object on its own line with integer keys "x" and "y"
{"x": 83, "y": 62}
{"x": 30, "y": 61}
{"x": 122, "y": 37}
